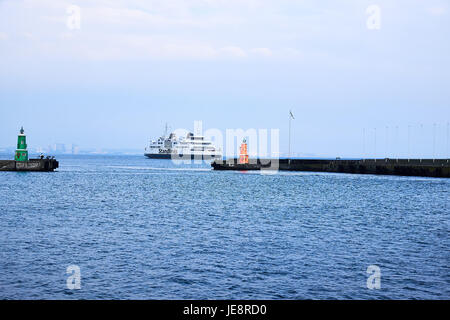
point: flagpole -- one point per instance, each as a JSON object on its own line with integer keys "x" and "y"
{"x": 291, "y": 116}
{"x": 289, "y": 153}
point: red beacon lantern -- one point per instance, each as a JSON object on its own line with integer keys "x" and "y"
{"x": 243, "y": 158}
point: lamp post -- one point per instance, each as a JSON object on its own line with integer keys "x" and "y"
{"x": 364, "y": 143}
{"x": 434, "y": 141}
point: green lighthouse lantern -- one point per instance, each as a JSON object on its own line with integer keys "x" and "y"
{"x": 21, "y": 152}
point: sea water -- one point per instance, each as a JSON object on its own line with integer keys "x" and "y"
{"x": 151, "y": 229}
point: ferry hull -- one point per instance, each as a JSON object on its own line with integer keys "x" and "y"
{"x": 157, "y": 156}
{"x": 181, "y": 157}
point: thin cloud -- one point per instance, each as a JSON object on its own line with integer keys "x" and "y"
{"x": 232, "y": 51}
{"x": 437, "y": 11}
{"x": 265, "y": 52}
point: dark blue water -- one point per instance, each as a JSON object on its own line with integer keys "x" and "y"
{"x": 149, "y": 229}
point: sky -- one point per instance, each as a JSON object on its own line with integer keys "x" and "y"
{"x": 356, "y": 87}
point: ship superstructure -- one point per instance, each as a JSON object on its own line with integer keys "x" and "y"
{"x": 191, "y": 146}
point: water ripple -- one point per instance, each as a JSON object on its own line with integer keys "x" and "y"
{"x": 149, "y": 229}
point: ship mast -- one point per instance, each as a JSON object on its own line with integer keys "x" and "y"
{"x": 165, "y": 131}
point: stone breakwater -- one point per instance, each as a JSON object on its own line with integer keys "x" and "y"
{"x": 45, "y": 165}
{"x": 439, "y": 168}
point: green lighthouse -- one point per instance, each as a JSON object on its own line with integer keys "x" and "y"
{"x": 21, "y": 152}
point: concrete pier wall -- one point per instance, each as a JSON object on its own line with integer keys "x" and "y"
{"x": 30, "y": 165}
{"x": 404, "y": 167}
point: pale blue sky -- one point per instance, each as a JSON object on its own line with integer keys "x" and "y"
{"x": 134, "y": 65}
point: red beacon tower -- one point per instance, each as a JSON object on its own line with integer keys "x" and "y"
{"x": 243, "y": 158}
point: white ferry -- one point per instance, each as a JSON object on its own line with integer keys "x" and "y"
{"x": 184, "y": 148}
